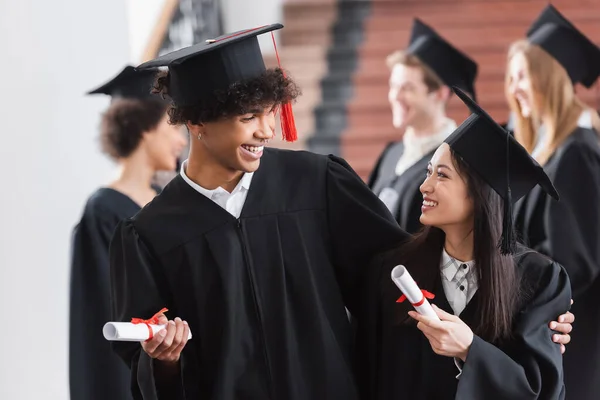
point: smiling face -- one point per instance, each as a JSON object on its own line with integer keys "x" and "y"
{"x": 446, "y": 200}
{"x": 412, "y": 101}
{"x": 237, "y": 143}
{"x": 519, "y": 84}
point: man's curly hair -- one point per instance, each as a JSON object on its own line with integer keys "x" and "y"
{"x": 272, "y": 88}
{"x": 124, "y": 123}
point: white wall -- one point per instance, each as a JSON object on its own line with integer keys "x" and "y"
{"x": 246, "y": 14}
{"x": 237, "y": 15}
{"x": 52, "y": 52}
{"x": 142, "y": 16}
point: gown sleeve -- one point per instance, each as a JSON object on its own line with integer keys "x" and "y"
{"x": 573, "y": 223}
{"x": 360, "y": 226}
{"x": 531, "y": 367}
{"x": 93, "y": 370}
{"x": 366, "y": 321}
{"x": 136, "y": 292}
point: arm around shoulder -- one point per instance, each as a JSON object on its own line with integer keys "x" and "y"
{"x": 360, "y": 225}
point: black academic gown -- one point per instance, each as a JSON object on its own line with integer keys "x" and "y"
{"x": 395, "y": 360}
{"x": 407, "y": 208}
{"x": 94, "y": 371}
{"x": 264, "y": 294}
{"x": 569, "y": 232}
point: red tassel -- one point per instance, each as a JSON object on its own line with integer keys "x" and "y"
{"x": 288, "y": 123}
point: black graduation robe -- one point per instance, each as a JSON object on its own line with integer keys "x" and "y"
{"x": 94, "y": 371}
{"x": 568, "y": 231}
{"x": 264, "y": 294}
{"x": 395, "y": 360}
{"x": 407, "y": 208}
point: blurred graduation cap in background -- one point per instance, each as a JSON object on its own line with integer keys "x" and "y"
{"x": 562, "y": 40}
{"x": 453, "y": 66}
{"x": 129, "y": 83}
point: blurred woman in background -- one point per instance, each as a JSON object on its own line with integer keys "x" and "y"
{"x": 134, "y": 132}
{"x": 561, "y": 133}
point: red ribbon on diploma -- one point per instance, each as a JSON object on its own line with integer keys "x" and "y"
{"x": 148, "y": 322}
{"x": 426, "y": 295}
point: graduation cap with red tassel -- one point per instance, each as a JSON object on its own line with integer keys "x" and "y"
{"x": 288, "y": 123}
{"x": 216, "y": 64}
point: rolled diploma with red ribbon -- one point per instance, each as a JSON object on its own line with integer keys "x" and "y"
{"x": 413, "y": 293}
{"x": 129, "y": 332}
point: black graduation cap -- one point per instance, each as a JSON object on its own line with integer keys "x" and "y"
{"x": 500, "y": 161}
{"x": 452, "y": 66}
{"x": 129, "y": 83}
{"x": 563, "y": 41}
{"x": 198, "y": 71}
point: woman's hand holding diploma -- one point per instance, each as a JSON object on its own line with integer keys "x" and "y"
{"x": 449, "y": 336}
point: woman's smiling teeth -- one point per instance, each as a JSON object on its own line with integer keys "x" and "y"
{"x": 253, "y": 149}
{"x": 430, "y": 203}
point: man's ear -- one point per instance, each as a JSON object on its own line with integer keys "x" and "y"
{"x": 444, "y": 93}
{"x": 194, "y": 129}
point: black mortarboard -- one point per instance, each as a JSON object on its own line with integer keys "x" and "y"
{"x": 215, "y": 64}
{"x": 196, "y": 72}
{"x": 129, "y": 83}
{"x": 562, "y": 40}
{"x": 452, "y": 66}
{"x": 499, "y": 160}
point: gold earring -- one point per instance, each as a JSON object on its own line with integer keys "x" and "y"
{"x": 199, "y": 136}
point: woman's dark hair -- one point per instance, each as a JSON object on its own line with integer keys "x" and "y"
{"x": 272, "y": 88}
{"x": 498, "y": 283}
{"x": 124, "y": 123}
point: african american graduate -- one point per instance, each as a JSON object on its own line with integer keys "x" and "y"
{"x": 492, "y": 295}
{"x": 135, "y": 134}
{"x": 551, "y": 125}
{"x": 420, "y": 82}
{"x": 250, "y": 248}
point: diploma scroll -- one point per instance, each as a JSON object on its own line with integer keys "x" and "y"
{"x": 129, "y": 332}
{"x": 413, "y": 293}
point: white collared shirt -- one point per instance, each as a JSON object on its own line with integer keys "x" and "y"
{"x": 416, "y": 147}
{"x": 460, "y": 284}
{"x": 459, "y": 281}
{"x": 231, "y": 202}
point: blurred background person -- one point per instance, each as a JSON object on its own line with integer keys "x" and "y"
{"x": 542, "y": 71}
{"x": 419, "y": 92}
{"x": 134, "y": 132}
